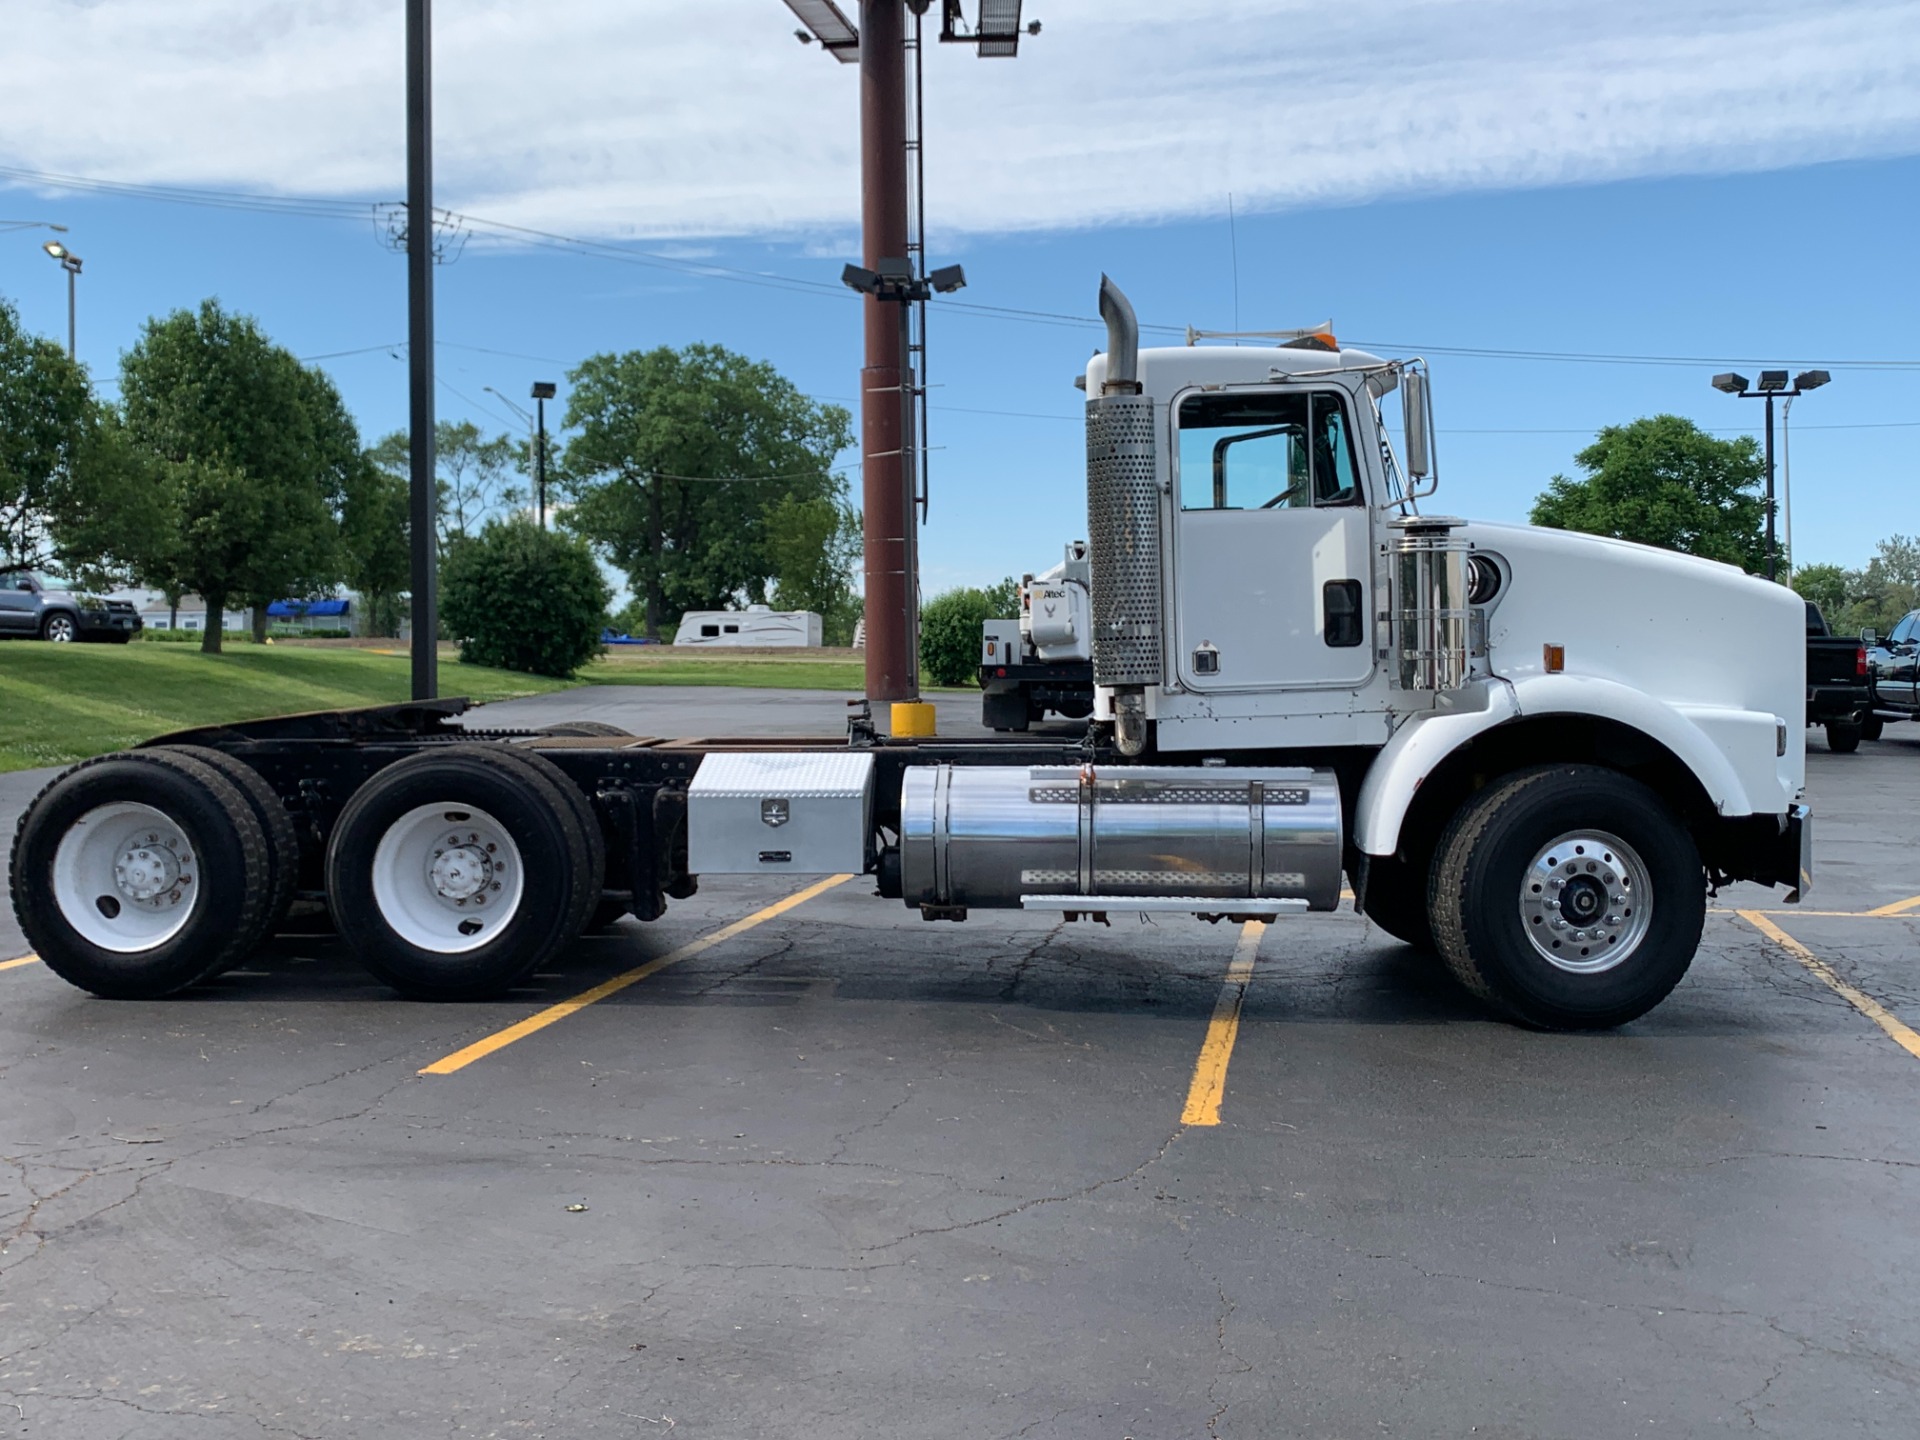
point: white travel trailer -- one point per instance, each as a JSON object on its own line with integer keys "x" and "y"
{"x": 755, "y": 625}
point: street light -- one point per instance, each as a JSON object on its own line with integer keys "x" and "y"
{"x": 542, "y": 392}
{"x": 1806, "y": 380}
{"x": 70, "y": 263}
{"x": 1773, "y": 385}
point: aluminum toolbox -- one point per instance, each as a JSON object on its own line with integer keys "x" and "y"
{"x": 804, "y": 813}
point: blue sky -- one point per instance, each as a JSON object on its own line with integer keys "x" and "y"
{"x": 1738, "y": 185}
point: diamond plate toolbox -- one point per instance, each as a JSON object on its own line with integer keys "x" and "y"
{"x": 797, "y": 813}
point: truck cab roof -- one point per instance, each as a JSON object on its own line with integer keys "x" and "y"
{"x": 1168, "y": 370}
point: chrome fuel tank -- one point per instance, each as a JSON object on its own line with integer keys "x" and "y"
{"x": 991, "y": 836}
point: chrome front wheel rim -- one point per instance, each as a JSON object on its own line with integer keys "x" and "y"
{"x": 447, "y": 877}
{"x": 1586, "y": 902}
{"x": 126, "y": 878}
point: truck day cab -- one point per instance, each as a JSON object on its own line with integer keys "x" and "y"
{"x": 1507, "y": 739}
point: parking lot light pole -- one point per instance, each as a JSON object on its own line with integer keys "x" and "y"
{"x": 543, "y": 391}
{"x": 70, "y": 263}
{"x": 1773, "y": 383}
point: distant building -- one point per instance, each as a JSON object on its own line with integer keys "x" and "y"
{"x": 755, "y": 625}
{"x": 337, "y": 613}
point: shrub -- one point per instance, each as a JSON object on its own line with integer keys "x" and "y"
{"x": 520, "y": 598}
{"x": 950, "y": 630}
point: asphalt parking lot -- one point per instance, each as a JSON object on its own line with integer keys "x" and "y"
{"x": 826, "y": 1169}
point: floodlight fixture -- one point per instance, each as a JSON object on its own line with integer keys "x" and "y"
{"x": 543, "y": 390}
{"x": 996, "y": 29}
{"x": 56, "y": 250}
{"x": 1731, "y": 382}
{"x": 947, "y": 279}
{"x": 1811, "y": 379}
{"x": 858, "y": 277}
{"x": 827, "y": 22}
{"x": 1772, "y": 380}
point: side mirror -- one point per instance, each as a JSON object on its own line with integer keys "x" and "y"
{"x": 1418, "y": 417}
{"x": 1868, "y": 638}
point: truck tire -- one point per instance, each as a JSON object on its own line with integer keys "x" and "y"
{"x": 580, "y": 729}
{"x": 423, "y": 850}
{"x": 283, "y": 841}
{"x": 1843, "y": 736}
{"x": 1396, "y": 899}
{"x": 1871, "y": 727}
{"x": 139, "y": 874}
{"x": 584, "y": 815}
{"x": 1568, "y": 898}
{"x": 59, "y": 628}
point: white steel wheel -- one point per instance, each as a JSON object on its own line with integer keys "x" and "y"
{"x": 447, "y": 877}
{"x": 456, "y": 872}
{"x": 126, "y": 878}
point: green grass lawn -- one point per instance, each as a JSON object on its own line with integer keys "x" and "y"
{"x": 62, "y": 703}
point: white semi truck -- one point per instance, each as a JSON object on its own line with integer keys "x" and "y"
{"x": 1508, "y": 740}
{"x": 1042, "y": 661}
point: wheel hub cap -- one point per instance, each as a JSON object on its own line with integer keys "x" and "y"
{"x": 1586, "y": 902}
{"x": 152, "y": 870}
{"x": 462, "y": 871}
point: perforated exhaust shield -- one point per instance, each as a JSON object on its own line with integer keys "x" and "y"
{"x": 1123, "y": 524}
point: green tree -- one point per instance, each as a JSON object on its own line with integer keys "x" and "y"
{"x": 678, "y": 460}
{"x": 1664, "y": 481}
{"x": 1825, "y": 586}
{"x": 65, "y": 500}
{"x": 472, "y": 474}
{"x": 521, "y": 598}
{"x": 1871, "y": 598}
{"x": 374, "y": 543}
{"x": 813, "y": 551}
{"x": 246, "y": 437}
{"x": 950, "y": 629}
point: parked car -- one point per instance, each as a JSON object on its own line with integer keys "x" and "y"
{"x": 1838, "y": 696}
{"x": 1891, "y": 667}
{"x": 36, "y": 605}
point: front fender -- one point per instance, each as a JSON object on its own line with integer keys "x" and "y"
{"x": 1698, "y": 736}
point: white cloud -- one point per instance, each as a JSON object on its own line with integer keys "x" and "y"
{"x": 705, "y": 118}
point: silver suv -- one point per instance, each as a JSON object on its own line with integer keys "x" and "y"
{"x": 33, "y": 605}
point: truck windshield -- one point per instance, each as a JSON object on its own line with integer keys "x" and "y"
{"x": 1265, "y": 451}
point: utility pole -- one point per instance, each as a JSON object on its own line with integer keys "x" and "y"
{"x": 891, "y": 283}
{"x": 893, "y": 667}
{"x": 426, "y": 599}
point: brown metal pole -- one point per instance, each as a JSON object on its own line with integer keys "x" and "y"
{"x": 893, "y": 670}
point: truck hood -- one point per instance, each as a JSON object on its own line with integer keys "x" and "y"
{"x": 1687, "y": 631}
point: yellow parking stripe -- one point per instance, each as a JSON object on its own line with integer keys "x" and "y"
{"x": 1899, "y": 907}
{"x": 1209, "y": 1083}
{"x": 16, "y": 964}
{"x": 1898, "y": 1032}
{"x": 500, "y": 1039}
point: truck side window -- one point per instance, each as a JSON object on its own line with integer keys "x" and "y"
{"x": 1903, "y": 632}
{"x": 1264, "y": 451}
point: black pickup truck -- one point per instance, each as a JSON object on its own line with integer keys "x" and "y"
{"x": 1838, "y": 695}
{"x": 1893, "y": 664}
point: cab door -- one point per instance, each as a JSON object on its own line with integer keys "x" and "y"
{"x": 1271, "y": 560}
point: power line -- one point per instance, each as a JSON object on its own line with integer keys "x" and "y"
{"x": 315, "y": 207}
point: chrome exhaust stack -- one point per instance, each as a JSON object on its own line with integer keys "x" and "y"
{"x": 1123, "y": 526}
